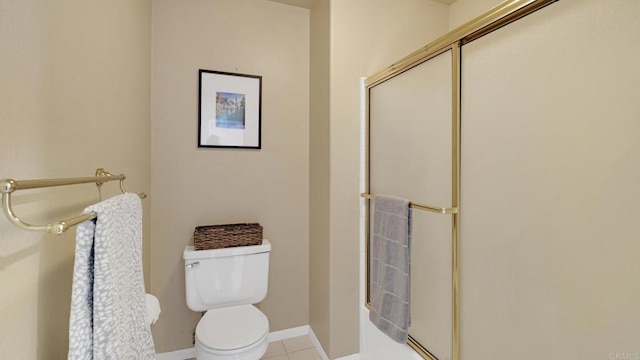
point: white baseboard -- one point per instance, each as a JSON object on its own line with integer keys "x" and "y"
{"x": 177, "y": 355}
{"x": 273, "y": 336}
{"x": 289, "y": 333}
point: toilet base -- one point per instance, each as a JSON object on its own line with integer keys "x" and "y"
{"x": 251, "y": 352}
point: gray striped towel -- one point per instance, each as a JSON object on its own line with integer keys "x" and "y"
{"x": 390, "y": 267}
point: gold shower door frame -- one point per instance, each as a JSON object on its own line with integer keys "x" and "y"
{"x": 501, "y": 15}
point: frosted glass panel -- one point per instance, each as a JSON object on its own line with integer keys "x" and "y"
{"x": 550, "y": 221}
{"x": 410, "y": 157}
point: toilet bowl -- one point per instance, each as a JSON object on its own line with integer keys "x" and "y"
{"x": 234, "y": 333}
{"x": 225, "y": 283}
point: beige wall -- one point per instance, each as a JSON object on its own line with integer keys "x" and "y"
{"x": 193, "y": 186}
{"x": 319, "y": 167}
{"x": 365, "y": 36}
{"x": 463, "y": 11}
{"x": 74, "y": 94}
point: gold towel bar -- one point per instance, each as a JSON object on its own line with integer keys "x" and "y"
{"x": 8, "y": 186}
{"x": 439, "y": 210}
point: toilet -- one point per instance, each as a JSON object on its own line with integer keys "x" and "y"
{"x": 225, "y": 283}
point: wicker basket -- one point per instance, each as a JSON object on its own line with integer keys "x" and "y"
{"x": 229, "y": 235}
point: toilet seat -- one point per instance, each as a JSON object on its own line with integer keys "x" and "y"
{"x": 231, "y": 329}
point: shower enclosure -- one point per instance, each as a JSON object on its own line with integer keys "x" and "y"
{"x": 528, "y": 132}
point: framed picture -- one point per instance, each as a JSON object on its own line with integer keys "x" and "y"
{"x": 229, "y": 113}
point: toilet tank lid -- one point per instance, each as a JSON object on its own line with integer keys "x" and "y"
{"x": 190, "y": 253}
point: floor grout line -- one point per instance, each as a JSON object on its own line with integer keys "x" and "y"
{"x": 297, "y": 345}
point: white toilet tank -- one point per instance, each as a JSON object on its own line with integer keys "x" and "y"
{"x": 226, "y": 277}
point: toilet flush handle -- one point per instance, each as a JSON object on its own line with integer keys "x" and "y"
{"x": 193, "y": 265}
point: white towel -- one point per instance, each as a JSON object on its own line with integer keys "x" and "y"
{"x": 108, "y": 308}
{"x": 390, "y": 267}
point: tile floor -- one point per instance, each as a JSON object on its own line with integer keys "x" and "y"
{"x": 298, "y": 348}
